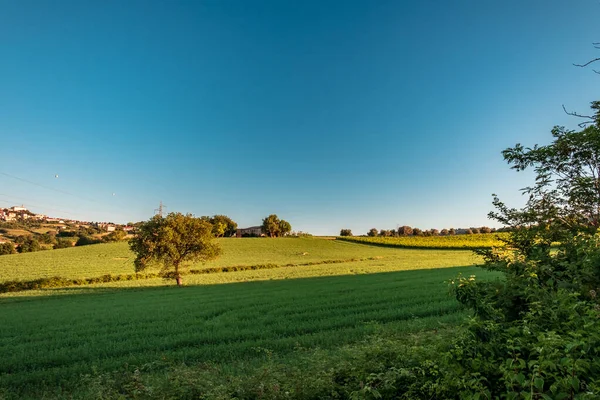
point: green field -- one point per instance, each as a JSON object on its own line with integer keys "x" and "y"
{"x": 116, "y": 258}
{"x": 47, "y": 340}
{"x": 450, "y": 242}
{"x": 315, "y": 294}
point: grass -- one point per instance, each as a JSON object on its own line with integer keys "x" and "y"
{"x": 47, "y": 342}
{"x": 116, "y": 258}
{"x": 451, "y": 242}
{"x": 315, "y": 294}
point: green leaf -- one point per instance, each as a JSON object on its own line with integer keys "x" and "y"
{"x": 539, "y": 383}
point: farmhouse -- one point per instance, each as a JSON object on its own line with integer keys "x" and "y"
{"x": 252, "y": 231}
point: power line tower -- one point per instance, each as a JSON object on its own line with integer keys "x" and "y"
{"x": 160, "y": 209}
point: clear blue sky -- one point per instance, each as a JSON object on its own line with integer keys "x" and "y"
{"x": 331, "y": 114}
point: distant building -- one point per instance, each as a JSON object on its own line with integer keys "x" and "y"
{"x": 252, "y": 231}
{"x": 18, "y": 208}
{"x": 110, "y": 228}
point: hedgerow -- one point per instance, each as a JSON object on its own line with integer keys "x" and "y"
{"x": 56, "y": 281}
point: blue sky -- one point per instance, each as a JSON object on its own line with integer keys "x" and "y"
{"x": 331, "y": 114}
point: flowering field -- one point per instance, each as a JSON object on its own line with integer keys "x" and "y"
{"x": 459, "y": 242}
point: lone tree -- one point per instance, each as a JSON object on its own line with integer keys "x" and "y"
{"x": 173, "y": 242}
{"x": 346, "y": 232}
{"x": 372, "y": 232}
{"x": 272, "y": 226}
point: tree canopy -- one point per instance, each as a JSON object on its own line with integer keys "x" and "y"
{"x": 543, "y": 317}
{"x": 223, "y": 226}
{"x": 346, "y": 232}
{"x": 272, "y": 226}
{"x": 172, "y": 242}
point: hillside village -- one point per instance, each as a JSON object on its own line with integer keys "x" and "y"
{"x": 21, "y": 213}
{"x": 22, "y": 230}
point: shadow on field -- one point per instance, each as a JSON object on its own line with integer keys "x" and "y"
{"x": 433, "y": 276}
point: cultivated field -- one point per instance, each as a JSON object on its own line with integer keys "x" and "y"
{"x": 343, "y": 292}
{"x": 46, "y": 340}
{"x": 450, "y": 242}
{"x": 116, "y": 258}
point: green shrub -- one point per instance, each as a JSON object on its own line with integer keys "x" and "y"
{"x": 7, "y": 248}
{"x": 87, "y": 240}
{"x": 63, "y": 243}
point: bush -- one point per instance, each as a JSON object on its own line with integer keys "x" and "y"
{"x": 66, "y": 234}
{"x": 7, "y": 248}
{"x": 63, "y": 243}
{"x": 115, "y": 236}
{"x": 27, "y": 244}
{"x": 87, "y": 240}
{"x": 536, "y": 333}
{"x": 46, "y": 238}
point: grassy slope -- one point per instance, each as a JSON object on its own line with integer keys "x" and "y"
{"x": 115, "y": 258}
{"x": 47, "y": 340}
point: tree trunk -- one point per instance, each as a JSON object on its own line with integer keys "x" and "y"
{"x": 178, "y": 277}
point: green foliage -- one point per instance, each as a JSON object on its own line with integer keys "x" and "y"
{"x": 66, "y": 233}
{"x": 115, "y": 236}
{"x": 7, "y": 248}
{"x": 87, "y": 240}
{"x": 173, "y": 241}
{"x": 272, "y": 226}
{"x": 47, "y": 238}
{"x": 223, "y": 226}
{"x": 63, "y": 243}
{"x": 27, "y": 244}
{"x": 536, "y": 333}
{"x": 346, "y": 232}
{"x": 284, "y": 228}
{"x": 372, "y": 232}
